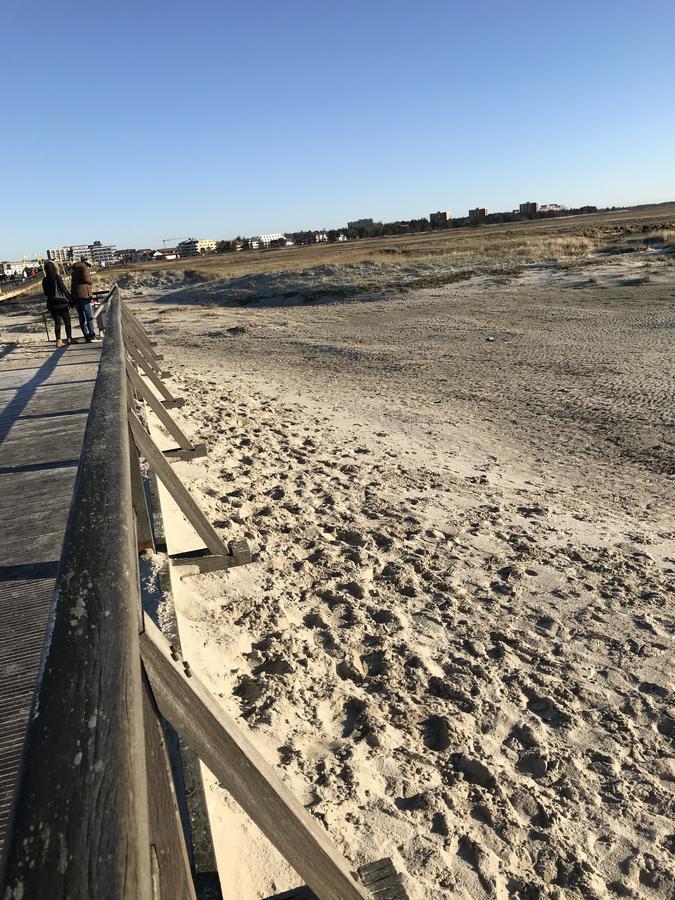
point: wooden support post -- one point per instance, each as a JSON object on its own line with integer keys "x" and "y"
{"x": 176, "y": 488}
{"x": 140, "y": 355}
{"x": 132, "y": 325}
{"x": 100, "y": 313}
{"x": 169, "y": 400}
{"x": 127, "y": 311}
{"x": 171, "y": 875}
{"x": 141, "y": 389}
{"x": 139, "y": 501}
{"x": 225, "y": 749}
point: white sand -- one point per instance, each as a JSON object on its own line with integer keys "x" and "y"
{"x": 456, "y": 641}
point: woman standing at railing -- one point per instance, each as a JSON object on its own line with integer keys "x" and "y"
{"x": 58, "y": 299}
{"x": 81, "y": 289}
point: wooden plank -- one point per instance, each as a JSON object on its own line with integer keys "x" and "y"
{"x": 132, "y": 325}
{"x": 141, "y": 388}
{"x": 130, "y": 314}
{"x": 80, "y": 823}
{"x": 158, "y": 383}
{"x": 144, "y": 537}
{"x": 239, "y": 555}
{"x": 173, "y": 879}
{"x": 198, "y": 452}
{"x": 141, "y": 351}
{"x": 141, "y": 358}
{"x": 140, "y": 335}
{"x": 176, "y": 488}
{"x": 224, "y": 748}
{"x": 382, "y": 880}
{"x": 186, "y": 768}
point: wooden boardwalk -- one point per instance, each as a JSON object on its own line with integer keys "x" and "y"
{"x": 45, "y": 395}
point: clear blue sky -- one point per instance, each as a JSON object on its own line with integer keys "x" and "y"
{"x": 137, "y": 121}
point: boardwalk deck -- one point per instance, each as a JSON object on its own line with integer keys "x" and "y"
{"x": 45, "y": 395}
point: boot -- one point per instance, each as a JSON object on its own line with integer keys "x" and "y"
{"x": 59, "y": 343}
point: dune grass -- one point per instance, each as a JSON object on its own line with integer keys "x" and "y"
{"x": 400, "y": 263}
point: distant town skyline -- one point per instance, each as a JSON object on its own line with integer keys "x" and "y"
{"x": 475, "y": 216}
{"x": 242, "y": 119}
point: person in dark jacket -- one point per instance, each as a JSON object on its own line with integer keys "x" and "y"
{"x": 58, "y": 299}
{"x": 81, "y": 290}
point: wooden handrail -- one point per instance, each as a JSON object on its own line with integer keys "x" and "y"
{"x": 80, "y": 824}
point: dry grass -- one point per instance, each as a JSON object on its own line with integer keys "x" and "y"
{"x": 400, "y": 263}
{"x": 664, "y": 236}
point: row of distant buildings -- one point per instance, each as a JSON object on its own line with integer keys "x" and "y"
{"x": 99, "y": 254}
{"x": 96, "y": 254}
{"x": 529, "y": 209}
{"x": 23, "y": 268}
{"x": 199, "y": 247}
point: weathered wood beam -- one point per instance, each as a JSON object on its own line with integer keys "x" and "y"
{"x": 127, "y": 311}
{"x": 167, "y": 420}
{"x": 224, "y": 748}
{"x": 141, "y": 355}
{"x": 172, "y": 877}
{"x": 169, "y": 400}
{"x": 144, "y": 536}
{"x": 132, "y": 325}
{"x": 176, "y": 488}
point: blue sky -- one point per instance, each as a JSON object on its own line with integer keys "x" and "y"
{"x": 138, "y": 121}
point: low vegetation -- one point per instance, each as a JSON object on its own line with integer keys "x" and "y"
{"x": 402, "y": 263}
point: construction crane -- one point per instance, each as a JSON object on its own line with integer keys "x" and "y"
{"x": 166, "y": 241}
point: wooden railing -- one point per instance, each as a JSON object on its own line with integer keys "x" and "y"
{"x": 80, "y": 817}
{"x": 20, "y": 284}
{"x": 96, "y": 813}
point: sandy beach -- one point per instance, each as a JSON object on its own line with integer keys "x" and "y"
{"x": 455, "y": 642}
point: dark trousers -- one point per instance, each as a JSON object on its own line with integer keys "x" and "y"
{"x": 61, "y": 314}
{"x": 86, "y": 318}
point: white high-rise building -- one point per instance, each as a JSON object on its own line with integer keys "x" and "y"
{"x": 96, "y": 254}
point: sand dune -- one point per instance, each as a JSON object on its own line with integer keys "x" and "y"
{"x": 456, "y": 640}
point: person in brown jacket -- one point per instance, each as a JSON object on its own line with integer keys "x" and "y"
{"x": 81, "y": 292}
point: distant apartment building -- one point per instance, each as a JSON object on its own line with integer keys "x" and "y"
{"x": 479, "y": 214}
{"x": 439, "y": 219}
{"x": 552, "y": 207}
{"x": 264, "y": 240}
{"x": 77, "y": 251}
{"x": 96, "y": 254}
{"x": 361, "y": 223}
{"x": 166, "y": 253}
{"x": 341, "y": 238}
{"x": 193, "y": 247}
{"x": 320, "y": 237}
{"x": 60, "y": 255}
{"x": 531, "y": 208}
{"x": 102, "y": 254}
